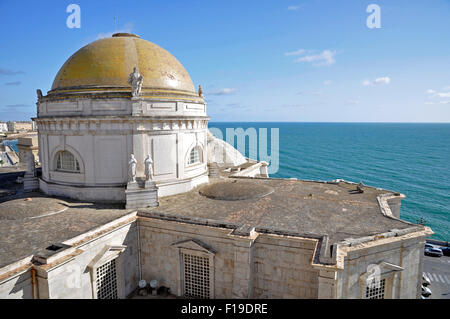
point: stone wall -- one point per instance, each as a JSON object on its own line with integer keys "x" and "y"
{"x": 159, "y": 257}
{"x": 17, "y": 286}
{"x": 257, "y": 266}
{"x": 73, "y": 278}
{"x": 260, "y": 265}
{"x": 70, "y": 276}
{"x": 283, "y": 268}
{"x": 406, "y": 253}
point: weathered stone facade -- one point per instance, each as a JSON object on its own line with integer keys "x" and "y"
{"x": 67, "y": 274}
{"x": 256, "y": 265}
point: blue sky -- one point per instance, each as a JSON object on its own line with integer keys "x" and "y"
{"x": 303, "y": 61}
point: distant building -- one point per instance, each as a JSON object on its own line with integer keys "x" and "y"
{"x": 3, "y": 127}
{"x": 21, "y": 126}
{"x": 134, "y": 194}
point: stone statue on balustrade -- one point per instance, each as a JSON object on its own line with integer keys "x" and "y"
{"x": 132, "y": 169}
{"x": 148, "y": 168}
{"x": 135, "y": 80}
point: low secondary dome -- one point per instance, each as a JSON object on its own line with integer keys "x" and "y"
{"x": 236, "y": 190}
{"x": 31, "y": 208}
{"x": 108, "y": 62}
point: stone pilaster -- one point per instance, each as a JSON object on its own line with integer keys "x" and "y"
{"x": 243, "y": 268}
{"x": 327, "y": 284}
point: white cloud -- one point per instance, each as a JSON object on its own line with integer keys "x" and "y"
{"x": 436, "y": 103}
{"x": 293, "y": 8}
{"x": 377, "y": 81}
{"x": 383, "y": 80}
{"x": 327, "y": 82}
{"x": 321, "y": 59}
{"x": 298, "y": 52}
{"x": 224, "y": 91}
{"x": 446, "y": 88}
{"x": 434, "y": 94}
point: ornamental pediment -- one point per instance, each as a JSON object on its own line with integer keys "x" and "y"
{"x": 195, "y": 244}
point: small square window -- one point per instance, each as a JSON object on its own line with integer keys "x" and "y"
{"x": 106, "y": 280}
{"x": 196, "y": 276}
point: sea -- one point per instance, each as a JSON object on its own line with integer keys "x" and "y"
{"x": 410, "y": 158}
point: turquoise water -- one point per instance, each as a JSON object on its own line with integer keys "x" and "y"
{"x": 413, "y": 159}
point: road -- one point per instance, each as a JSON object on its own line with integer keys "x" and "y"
{"x": 437, "y": 270}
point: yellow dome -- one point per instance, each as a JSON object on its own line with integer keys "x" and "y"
{"x": 107, "y": 63}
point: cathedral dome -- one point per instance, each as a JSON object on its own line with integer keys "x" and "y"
{"x": 106, "y": 64}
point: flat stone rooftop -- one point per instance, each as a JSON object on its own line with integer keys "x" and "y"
{"x": 290, "y": 206}
{"x": 31, "y": 222}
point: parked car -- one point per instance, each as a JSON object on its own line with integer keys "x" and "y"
{"x": 434, "y": 252}
{"x": 425, "y": 280}
{"x": 446, "y": 251}
{"x": 426, "y": 292}
{"x": 428, "y": 246}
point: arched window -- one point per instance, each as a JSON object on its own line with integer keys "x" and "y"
{"x": 195, "y": 156}
{"x": 66, "y": 162}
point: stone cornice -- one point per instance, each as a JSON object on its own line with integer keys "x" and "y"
{"x": 120, "y": 123}
{"x": 119, "y": 92}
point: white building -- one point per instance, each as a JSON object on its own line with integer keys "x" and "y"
{"x": 3, "y": 127}
{"x": 227, "y": 232}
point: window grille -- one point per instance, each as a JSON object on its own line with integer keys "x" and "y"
{"x": 194, "y": 156}
{"x": 196, "y": 276}
{"x": 107, "y": 280}
{"x": 376, "y": 289}
{"x": 67, "y": 162}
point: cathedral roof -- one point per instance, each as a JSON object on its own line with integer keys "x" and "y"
{"x": 295, "y": 207}
{"x": 107, "y": 63}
